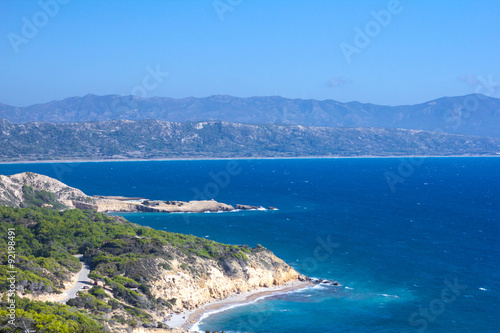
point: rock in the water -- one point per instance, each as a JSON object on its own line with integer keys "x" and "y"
{"x": 246, "y": 207}
{"x": 325, "y": 282}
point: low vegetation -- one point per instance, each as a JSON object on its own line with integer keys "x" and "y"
{"x": 123, "y": 257}
{"x": 49, "y": 318}
{"x": 33, "y": 198}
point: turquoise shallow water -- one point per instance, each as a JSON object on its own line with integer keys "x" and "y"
{"x": 424, "y": 257}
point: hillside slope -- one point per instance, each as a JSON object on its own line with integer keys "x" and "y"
{"x": 29, "y": 188}
{"x": 146, "y": 139}
{"x": 142, "y": 274}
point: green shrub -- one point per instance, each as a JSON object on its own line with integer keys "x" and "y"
{"x": 50, "y": 318}
{"x": 98, "y": 292}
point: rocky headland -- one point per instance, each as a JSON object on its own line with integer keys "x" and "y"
{"x": 16, "y": 190}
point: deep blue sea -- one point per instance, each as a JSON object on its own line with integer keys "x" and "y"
{"x": 420, "y": 256}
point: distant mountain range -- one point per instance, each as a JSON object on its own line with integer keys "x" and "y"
{"x": 149, "y": 139}
{"x": 477, "y": 115}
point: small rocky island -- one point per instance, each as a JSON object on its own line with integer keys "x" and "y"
{"x": 14, "y": 190}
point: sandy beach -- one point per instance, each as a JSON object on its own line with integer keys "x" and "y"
{"x": 190, "y": 319}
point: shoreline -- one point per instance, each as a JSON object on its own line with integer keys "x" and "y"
{"x": 241, "y": 158}
{"x": 191, "y": 319}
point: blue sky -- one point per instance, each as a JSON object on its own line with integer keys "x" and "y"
{"x": 415, "y": 52}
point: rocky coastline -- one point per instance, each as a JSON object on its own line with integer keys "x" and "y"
{"x": 190, "y": 275}
{"x": 13, "y": 188}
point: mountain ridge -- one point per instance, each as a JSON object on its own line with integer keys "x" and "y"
{"x": 472, "y": 114}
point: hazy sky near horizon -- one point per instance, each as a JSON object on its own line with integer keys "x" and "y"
{"x": 384, "y": 52}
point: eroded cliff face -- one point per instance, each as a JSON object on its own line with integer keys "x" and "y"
{"x": 193, "y": 282}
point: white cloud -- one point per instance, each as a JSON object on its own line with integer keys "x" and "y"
{"x": 336, "y": 82}
{"x": 469, "y": 79}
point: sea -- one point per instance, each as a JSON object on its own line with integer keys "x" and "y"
{"x": 413, "y": 242}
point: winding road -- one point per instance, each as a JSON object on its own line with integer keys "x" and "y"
{"x": 82, "y": 280}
